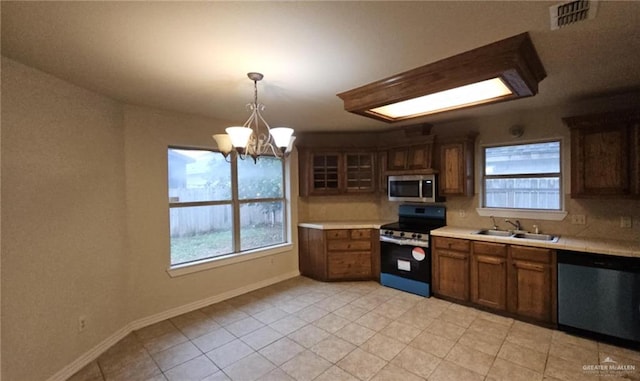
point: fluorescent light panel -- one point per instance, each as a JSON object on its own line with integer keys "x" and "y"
{"x": 463, "y": 96}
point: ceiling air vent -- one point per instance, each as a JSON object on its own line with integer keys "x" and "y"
{"x": 571, "y": 12}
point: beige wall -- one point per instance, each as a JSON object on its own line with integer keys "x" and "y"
{"x": 148, "y": 133}
{"x": 602, "y": 215}
{"x": 64, "y": 238}
{"x": 85, "y": 221}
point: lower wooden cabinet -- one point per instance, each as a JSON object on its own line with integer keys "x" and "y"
{"x": 518, "y": 280}
{"x": 531, "y": 283}
{"x": 488, "y": 276}
{"x": 451, "y": 268}
{"x": 339, "y": 254}
{"x": 312, "y": 260}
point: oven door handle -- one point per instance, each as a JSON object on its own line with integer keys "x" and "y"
{"x": 404, "y": 242}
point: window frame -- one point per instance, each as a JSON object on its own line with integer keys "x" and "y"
{"x": 237, "y": 255}
{"x": 542, "y": 214}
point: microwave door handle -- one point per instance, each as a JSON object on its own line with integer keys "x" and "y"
{"x": 420, "y": 189}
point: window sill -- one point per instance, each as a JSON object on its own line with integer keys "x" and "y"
{"x": 211, "y": 263}
{"x": 548, "y": 215}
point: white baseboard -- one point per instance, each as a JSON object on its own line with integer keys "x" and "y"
{"x": 120, "y": 334}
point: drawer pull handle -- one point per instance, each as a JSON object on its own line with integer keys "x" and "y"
{"x": 528, "y": 266}
{"x": 492, "y": 260}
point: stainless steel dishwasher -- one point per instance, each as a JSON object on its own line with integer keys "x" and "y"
{"x": 599, "y": 294}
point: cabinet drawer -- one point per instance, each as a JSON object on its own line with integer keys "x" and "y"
{"x": 348, "y": 245}
{"x": 337, "y": 234}
{"x": 451, "y": 243}
{"x": 360, "y": 233}
{"x": 534, "y": 254}
{"x": 349, "y": 265}
{"x": 497, "y": 249}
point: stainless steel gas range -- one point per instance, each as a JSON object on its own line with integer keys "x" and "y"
{"x": 405, "y": 262}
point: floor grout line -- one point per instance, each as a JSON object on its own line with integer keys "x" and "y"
{"x": 390, "y": 305}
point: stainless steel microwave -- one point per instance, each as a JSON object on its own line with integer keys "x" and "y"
{"x": 413, "y": 188}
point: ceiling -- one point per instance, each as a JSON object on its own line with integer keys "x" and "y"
{"x": 193, "y": 56}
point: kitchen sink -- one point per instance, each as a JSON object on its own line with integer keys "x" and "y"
{"x": 518, "y": 235}
{"x": 497, "y": 233}
{"x": 539, "y": 237}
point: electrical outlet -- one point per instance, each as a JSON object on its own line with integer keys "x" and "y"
{"x": 625, "y": 222}
{"x": 82, "y": 323}
{"x": 462, "y": 213}
{"x": 578, "y": 219}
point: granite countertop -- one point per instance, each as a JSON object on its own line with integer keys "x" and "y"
{"x": 328, "y": 225}
{"x": 589, "y": 245}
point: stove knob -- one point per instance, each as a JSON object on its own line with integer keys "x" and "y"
{"x": 414, "y": 236}
{"x": 402, "y": 234}
{"x": 388, "y": 232}
{"x": 418, "y": 236}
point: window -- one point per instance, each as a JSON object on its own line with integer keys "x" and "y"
{"x": 523, "y": 176}
{"x": 217, "y": 208}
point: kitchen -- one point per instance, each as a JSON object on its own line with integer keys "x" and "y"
{"x": 91, "y": 101}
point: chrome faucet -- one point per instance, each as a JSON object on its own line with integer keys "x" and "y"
{"x": 515, "y": 225}
{"x": 495, "y": 225}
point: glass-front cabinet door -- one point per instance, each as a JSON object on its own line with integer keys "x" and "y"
{"x": 360, "y": 172}
{"x": 325, "y": 173}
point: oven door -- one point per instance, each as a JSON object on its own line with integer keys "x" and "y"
{"x": 406, "y": 261}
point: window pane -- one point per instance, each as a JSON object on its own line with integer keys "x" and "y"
{"x": 523, "y": 193}
{"x": 260, "y": 180}
{"x": 523, "y": 159}
{"x": 200, "y": 232}
{"x": 261, "y": 224}
{"x": 198, "y": 175}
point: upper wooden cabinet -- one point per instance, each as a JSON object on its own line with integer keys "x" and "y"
{"x": 605, "y": 154}
{"x": 360, "y": 172}
{"x": 415, "y": 156}
{"x": 331, "y": 173}
{"x": 325, "y": 171}
{"x": 456, "y": 166}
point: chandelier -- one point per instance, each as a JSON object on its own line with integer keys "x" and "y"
{"x": 253, "y": 140}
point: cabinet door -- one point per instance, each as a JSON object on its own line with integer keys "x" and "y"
{"x": 601, "y": 161}
{"x": 360, "y": 172}
{"x": 311, "y": 257}
{"x": 419, "y": 156}
{"x": 325, "y": 171}
{"x": 456, "y": 168}
{"x": 529, "y": 285}
{"x": 605, "y": 159}
{"x": 397, "y": 158}
{"x": 452, "y": 274}
{"x": 451, "y": 268}
{"x": 488, "y": 277}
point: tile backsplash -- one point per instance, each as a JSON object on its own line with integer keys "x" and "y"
{"x": 602, "y": 215}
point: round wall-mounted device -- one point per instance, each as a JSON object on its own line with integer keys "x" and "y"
{"x": 516, "y": 131}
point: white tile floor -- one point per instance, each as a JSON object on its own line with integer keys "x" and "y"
{"x": 307, "y": 330}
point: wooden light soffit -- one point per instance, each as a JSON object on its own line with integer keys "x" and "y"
{"x": 514, "y": 60}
